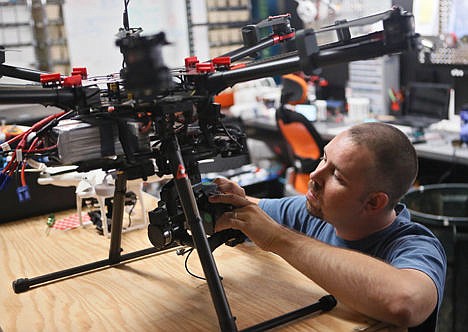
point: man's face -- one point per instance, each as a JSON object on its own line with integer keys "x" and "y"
{"x": 338, "y": 186}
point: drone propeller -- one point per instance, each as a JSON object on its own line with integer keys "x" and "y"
{"x": 367, "y": 20}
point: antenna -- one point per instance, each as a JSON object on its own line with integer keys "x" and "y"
{"x": 125, "y": 16}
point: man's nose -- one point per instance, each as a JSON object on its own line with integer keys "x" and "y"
{"x": 315, "y": 174}
{"x": 314, "y": 179}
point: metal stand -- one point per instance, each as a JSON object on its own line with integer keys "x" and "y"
{"x": 325, "y": 303}
{"x": 225, "y": 318}
{"x": 23, "y": 284}
{"x": 189, "y": 205}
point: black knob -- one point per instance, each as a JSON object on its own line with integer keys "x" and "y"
{"x": 159, "y": 237}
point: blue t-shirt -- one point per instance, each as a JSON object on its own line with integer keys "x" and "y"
{"x": 404, "y": 244}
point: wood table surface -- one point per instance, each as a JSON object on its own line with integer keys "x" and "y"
{"x": 154, "y": 293}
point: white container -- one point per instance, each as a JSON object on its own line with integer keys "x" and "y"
{"x": 321, "y": 110}
{"x": 358, "y": 109}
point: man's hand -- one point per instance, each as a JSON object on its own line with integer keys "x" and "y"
{"x": 229, "y": 187}
{"x": 248, "y": 218}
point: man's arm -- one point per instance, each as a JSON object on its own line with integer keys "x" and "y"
{"x": 402, "y": 297}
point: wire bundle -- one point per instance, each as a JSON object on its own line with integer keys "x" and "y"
{"x": 21, "y": 155}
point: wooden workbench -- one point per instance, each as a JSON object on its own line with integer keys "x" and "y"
{"x": 154, "y": 293}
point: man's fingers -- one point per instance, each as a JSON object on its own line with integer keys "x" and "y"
{"x": 228, "y": 220}
{"x": 223, "y": 184}
{"x": 227, "y": 186}
{"x": 222, "y": 224}
{"x": 232, "y": 199}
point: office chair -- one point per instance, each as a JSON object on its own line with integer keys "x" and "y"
{"x": 306, "y": 147}
{"x": 294, "y": 90}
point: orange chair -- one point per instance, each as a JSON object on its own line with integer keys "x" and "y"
{"x": 305, "y": 143}
{"x": 294, "y": 90}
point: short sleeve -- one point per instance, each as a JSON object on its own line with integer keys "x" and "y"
{"x": 422, "y": 253}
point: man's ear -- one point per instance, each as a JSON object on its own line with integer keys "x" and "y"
{"x": 376, "y": 201}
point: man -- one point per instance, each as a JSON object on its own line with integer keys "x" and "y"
{"x": 349, "y": 234}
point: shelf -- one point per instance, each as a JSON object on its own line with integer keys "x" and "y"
{"x": 220, "y": 25}
{"x": 228, "y": 8}
{"x": 14, "y": 25}
{"x": 7, "y": 45}
{"x": 220, "y": 29}
{"x": 12, "y": 4}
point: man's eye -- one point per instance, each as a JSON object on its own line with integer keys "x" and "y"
{"x": 337, "y": 176}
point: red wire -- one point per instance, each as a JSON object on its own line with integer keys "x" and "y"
{"x": 23, "y": 166}
{"x": 35, "y": 126}
{"x": 9, "y": 167}
{"x": 23, "y": 177}
{"x": 12, "y": 161}
{"x": 45, "y": 149}
{"x": 15, "y": 163}
{"x": 33, "y": 144}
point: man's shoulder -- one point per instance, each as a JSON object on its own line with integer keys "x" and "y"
{"x": 406, "y": 226}
{"x": 403, "y": 236}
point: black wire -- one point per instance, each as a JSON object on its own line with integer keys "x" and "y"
{"x": 130, "y": 214}
{"x": 189, "y": 252}
{"x": 230, "y": 136}
{"x": 17, "y": 173}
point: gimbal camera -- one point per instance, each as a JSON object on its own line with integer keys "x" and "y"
{"x": 150, "y": 119}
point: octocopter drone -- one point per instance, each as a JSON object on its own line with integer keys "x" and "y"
{"x": 150, "y": 119}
